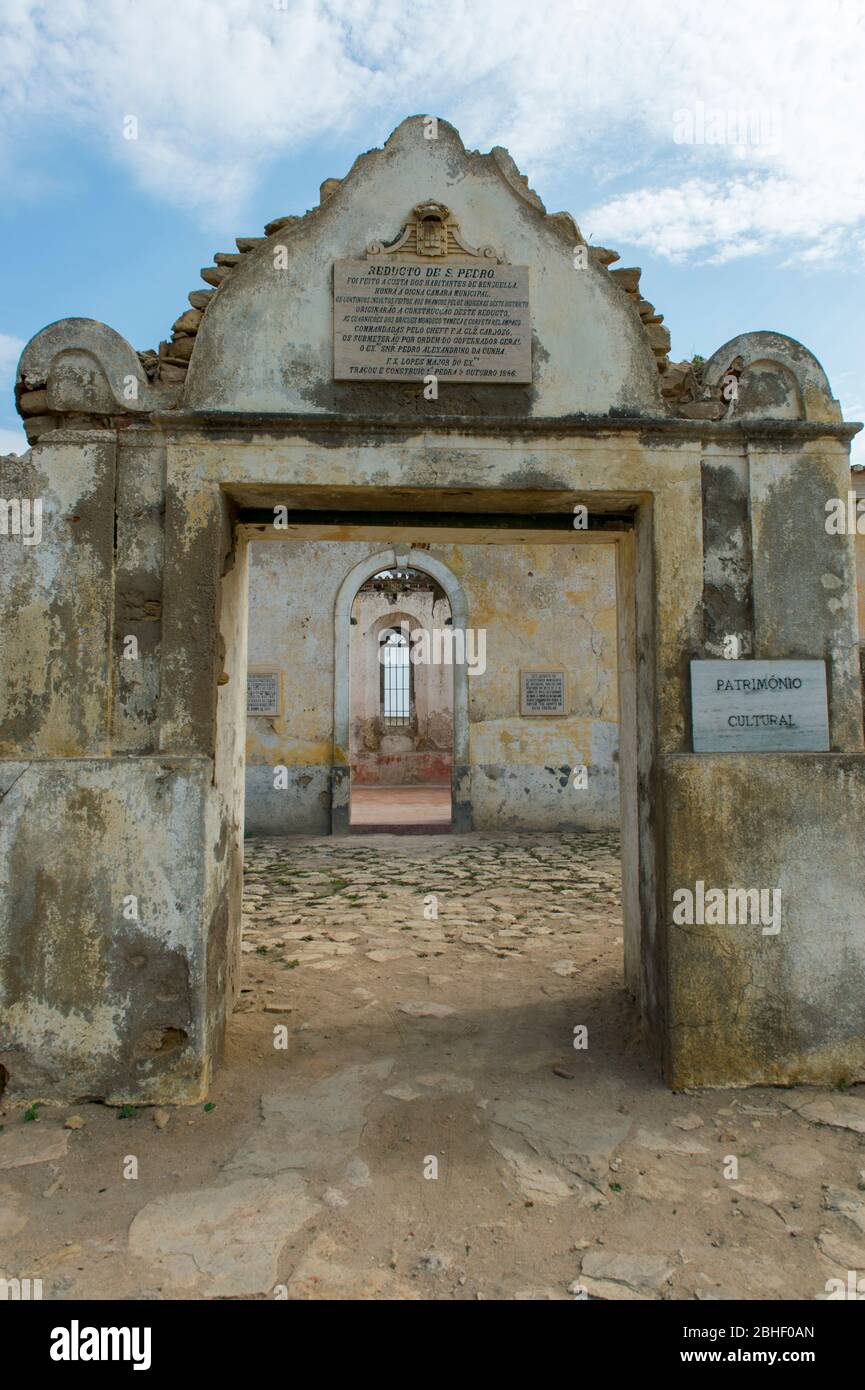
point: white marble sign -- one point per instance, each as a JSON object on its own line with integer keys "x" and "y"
{"x": 759, "y": 706}
{"x": 262, "y": 692}
{"x": 403, "y": 320}
{"x": 542, "y": 691}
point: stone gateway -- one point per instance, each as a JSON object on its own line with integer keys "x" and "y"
{"x": 285, "y": 441}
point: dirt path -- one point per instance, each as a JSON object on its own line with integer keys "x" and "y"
{"x": 402, "y": 1112}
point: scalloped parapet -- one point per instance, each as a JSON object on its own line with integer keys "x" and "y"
{"x": 598, "y": 347}
{"x": 594, "y": 357}
{"x": 171, "y": 362}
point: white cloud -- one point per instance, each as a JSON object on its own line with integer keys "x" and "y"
{"x": 11, "y": 349}
{"x": 739, "y": 217}
{"x": 221, "y": 89}
{"x": 13, "y": 442}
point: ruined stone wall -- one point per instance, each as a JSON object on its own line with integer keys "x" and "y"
{"x": 538, "y": 605}
{"x": 122, "y": 780}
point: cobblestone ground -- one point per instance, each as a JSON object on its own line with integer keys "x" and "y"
{"x": 402, "y": 1113}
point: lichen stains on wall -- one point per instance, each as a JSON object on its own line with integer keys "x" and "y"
{"x": 102, "y": 957}
{"x": 55, "y": 672}
{"x": 749, "y": 1007}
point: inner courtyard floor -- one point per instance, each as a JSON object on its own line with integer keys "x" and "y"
{"x": 402, "y": 1112}
{"x": 415, "y": 808}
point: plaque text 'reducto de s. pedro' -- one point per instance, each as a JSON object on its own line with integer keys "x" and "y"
{"x": 759, "y": 706}
{"x": 404, "y": 320}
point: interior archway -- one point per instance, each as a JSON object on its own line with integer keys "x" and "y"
{"x": 392, "y": 560}
{"x": 401, "y": 703}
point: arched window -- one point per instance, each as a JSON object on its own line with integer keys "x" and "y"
{"x": 396, "y": 679}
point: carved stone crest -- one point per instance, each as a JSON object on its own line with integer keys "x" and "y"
{"x": 431, "y": 231}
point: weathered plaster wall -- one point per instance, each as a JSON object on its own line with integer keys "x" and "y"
{"x": 139, "y": 555}
{"x": 120, "y": 860}
{"x": 92, "y": 1001}
{"x": 122, "y": 780}
{"x": 58, "y": 602}
{"x": 857, "y": 485}
{"x": 747, "y": 1007}
{"x": 164, "y": 807}
{"x": 223, "y": 861}
{"x": 539, "y": 605}
{"x": 727, "y": 541}
{"x": 807, "y": 607}
{"x": 542, "y": 605}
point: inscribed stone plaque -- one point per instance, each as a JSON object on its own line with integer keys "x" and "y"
{"x": 542, "y": 691}
{"x": 759, "y": 706}
{"x": 262, "y": 692}
{"x": 402, "y": 320}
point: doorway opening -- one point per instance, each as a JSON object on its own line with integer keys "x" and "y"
{"x": 400, "y": 705}
{"x": 412, "y": 975}
{"x": 530, "y": 583}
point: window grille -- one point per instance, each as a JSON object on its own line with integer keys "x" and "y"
{"x": 395, "y": 680}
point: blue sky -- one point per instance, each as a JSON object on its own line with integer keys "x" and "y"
{"x": 723, "y": 152}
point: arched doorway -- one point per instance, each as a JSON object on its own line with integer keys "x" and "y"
{"x": 401, "y": 704}
{"x": 431, "y": 749}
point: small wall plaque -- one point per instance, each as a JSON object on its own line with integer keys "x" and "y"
{"x": 759, "y": 706}
{"x": 263, "y": 692}
{"x": 542, "y": 691}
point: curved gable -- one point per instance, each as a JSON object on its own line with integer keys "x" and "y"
{"x": 266, "y": 340}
